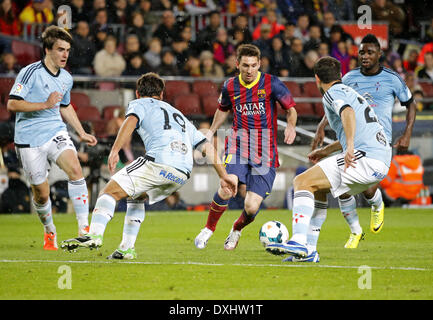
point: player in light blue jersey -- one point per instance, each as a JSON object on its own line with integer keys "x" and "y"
{"x": 363, "y": 162}
{"x": 169, "y": 139}
{"x": 41, "y": 97}
{"x": 379, "y": 86}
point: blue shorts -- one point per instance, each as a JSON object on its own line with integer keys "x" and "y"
{"x": 257, "y": 179}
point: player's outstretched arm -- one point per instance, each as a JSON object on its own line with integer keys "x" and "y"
{"x": 320, "y": 133}
{"x": 218, "y": 119}
{"x": 402, "y": 143}
{"x": 229, "y": 182}
{"x": 123, "y": 137}
{"x": 290, "y": 131}
{"x": 68, "y": 113}
{"x": 15, "y": 105}
{"x": 349, "y": 125}
{"x": 317, "y": 154}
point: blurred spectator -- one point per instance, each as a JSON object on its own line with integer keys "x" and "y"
{"x": 120, "y": 12}
{"x": 186, "y": 35}
{"x": 111, "y": 130}
{"x": 328, "y": 22}
{"x": 426, "y": 72}
{"x": 108, "y": 62}
{"x": 37, "y": 11}
{"x": 79, "y": 12}
{"x": 9, "y": 64}
{"x": 428, "y": 47}
{"x": 315, "y": 38}
{"x": 153, "y": 55}
{"x": 135, "y": 66}
{"x": 263, "y": 42}
{"x": 132, "y": 45}
{"x": 167, "y": 30}
{"x": 307, "y": 65}
{"x": 208, "y": 66}
{"x": 411, "y": 63}
{"x": 9, "y": 23}
{"x": 301, "y": 30}
{"x": 222, "y": 48}
{"x": 340, "y": 53}
{"x": 198, "y": 7}
{"x": 97, "y": 5}
{"x": 323, "y": 49}
{"x": 353, "y": 63}
{"x": 192, "y": 67}
{"x": 168, "y": 64}
{"x": 412, "y": 82}
{"x": 137, "y": 27}
{"x": 342, "y": 9}
{"x": 384, "y": 10}
{"x": 172, "y": 202}
{"x": 181, "y": 52}
{"x": 83, "y": 50}
{"x": 16, "y": 197}
{"x": 429, "y": 33}
{"x": 149, "y": 17}
{"x": 279, "y": 58}
{"x": 288, "y": 34}
{"x": 296, "y": 56}
{"x": 100, "y": 28}
{"x": 240, "y": 26}
{"x": 418, "y": 96}
{"x": 207, "y": 36}
{"x": 270, "y": 19}
{"x": 229, "y": 67}
{"x": 265, "y": 65}
{"x": 397, "y": 66}
{"x": 161, "y": 5}
{"x": 291, "y": 9}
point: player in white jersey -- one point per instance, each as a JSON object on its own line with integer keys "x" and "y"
{"x": 169, "y": 139}
{"x": 380, "y": 86}
{"x": 41, "y": 97}
{"x": 364, "y": 161}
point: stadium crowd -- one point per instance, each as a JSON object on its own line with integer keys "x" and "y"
{"x": 291, "y": 34}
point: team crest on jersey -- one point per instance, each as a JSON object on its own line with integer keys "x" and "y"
{"x": 18, "y": 88}
{"x": 377, "y": 86}
{"x": 261, "y": 93}
{"x": 380, "y": 137}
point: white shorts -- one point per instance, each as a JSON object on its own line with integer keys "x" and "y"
{"x": 158, "y": 181}
{"x": 35, "y": 160}
{"x": 367, "y": 172}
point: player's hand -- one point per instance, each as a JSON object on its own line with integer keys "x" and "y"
{"x": 229, "y": 184}
{"x": 53, "y": 99}
{"x": 89, "y": 139}
{"x": 402, "y": 144}
{"x": 289, "y": 134}
{"x": 349, "y": 158}
{"x": 319, "y": 138}
{"x": 113, "y": 159}
{"x": 316, "y": 155}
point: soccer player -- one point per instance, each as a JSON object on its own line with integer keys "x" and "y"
{"x": 251, "y": 148}
{"x": 363, "y": 162}
{"x": 379, "y": 86}
{"x": 40, "y": 97}
{"x": 169, "y": 139}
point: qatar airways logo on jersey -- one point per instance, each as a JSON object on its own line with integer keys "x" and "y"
{"x": 251, "y": 108}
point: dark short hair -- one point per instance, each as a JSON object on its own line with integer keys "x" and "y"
{"x": 150, "y": 84}
{"x": 328, "y": 69}
{"x": 247, "y": 50}
{"x": 371, "y": 38}
{"x": 52, "y": 34}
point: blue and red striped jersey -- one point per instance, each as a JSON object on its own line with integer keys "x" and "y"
{"x": 254, "y": 131}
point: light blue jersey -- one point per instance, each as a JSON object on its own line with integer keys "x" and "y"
{"x": 167, "y": 135}
{"x": 369, "y": 135}
{"x": 35, "y": 83}
{"x": 380, "y": 90}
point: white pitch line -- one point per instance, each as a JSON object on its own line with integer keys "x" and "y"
{"x": 215, "y": 264}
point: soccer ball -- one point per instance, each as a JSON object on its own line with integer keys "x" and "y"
{"x": 273, "y": 232}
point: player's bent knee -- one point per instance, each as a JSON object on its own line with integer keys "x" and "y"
{"x": 251, "y": 208}
{"x": 224, "y": 195}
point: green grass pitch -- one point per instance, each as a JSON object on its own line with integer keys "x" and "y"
{"x": 398, "y": 260}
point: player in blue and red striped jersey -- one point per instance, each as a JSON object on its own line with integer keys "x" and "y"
{"x": 251, "y": 147}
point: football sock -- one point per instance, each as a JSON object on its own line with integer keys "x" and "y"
{"x": 45, "y": 215}
{"x": 348, "y": 209}
{"x": 303, "y": 208}
{"x": 217, "y": 208}
{"x": 102, "y": 213}
{"x": 376, "y": 201}
{"x": 244, "y": 220}
{"x": 79, "y": 195}
{"x": 316, "y": 222}
{"x": 135, "y": 214}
